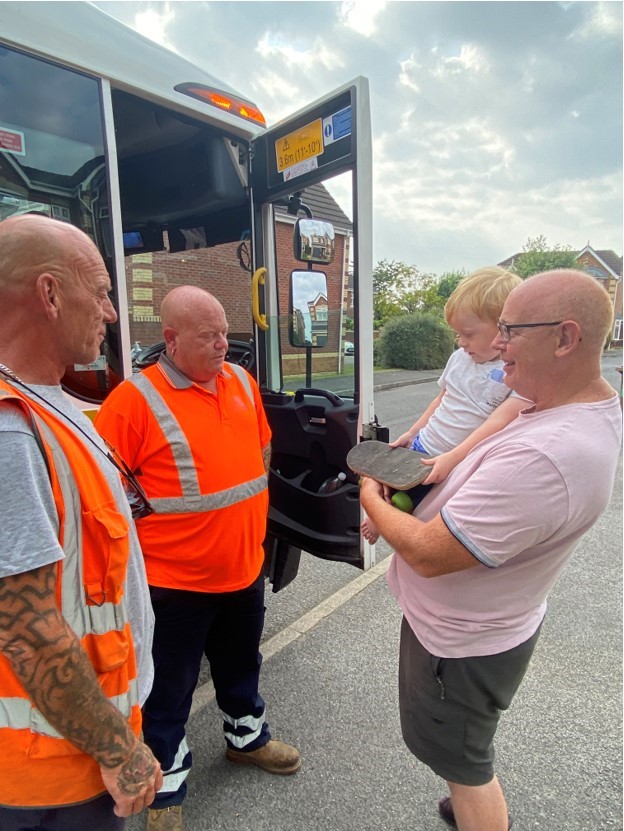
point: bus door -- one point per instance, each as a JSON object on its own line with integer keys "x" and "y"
{"x": 313, "y": 318}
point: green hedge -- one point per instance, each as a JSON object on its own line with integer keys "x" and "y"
{"x": 416, "y": 341}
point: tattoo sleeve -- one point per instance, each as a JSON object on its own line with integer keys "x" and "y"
{"x": 266, "y": 456}
{"x": 49, "y": 661}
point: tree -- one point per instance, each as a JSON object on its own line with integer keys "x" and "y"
{"x": 391, "y": 281}
{"x": 400, "y": 289}
{"x": 448, "y": 282}
{"x": 539, "y": 256}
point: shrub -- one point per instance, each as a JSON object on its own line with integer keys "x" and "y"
{"x": 377, "y": 353}
{"x": 416, "y": 341}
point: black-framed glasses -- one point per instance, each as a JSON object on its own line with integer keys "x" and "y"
{"x": 505, "y": 328}
{"x": 140, "y": 506}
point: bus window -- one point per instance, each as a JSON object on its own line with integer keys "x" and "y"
{"x": 185, "y": 216}
{"x": 53, "y": 163}
{"x": 327, "y": 365}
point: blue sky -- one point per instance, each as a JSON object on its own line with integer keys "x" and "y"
{"x": 492, "y": 122}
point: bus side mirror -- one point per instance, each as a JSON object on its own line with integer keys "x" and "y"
{"x": 307, "y": 319}
{"x": 314, "y": 241}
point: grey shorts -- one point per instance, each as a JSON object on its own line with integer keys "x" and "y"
{"x": 450, "y": 707}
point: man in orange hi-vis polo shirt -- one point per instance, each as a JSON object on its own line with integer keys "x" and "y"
{"x": 193, "y": 430}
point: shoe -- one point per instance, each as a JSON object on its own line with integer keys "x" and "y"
{"x": 165, "y": 819}
{"x": 445, "y": 810}
{"x": 274, "y": 757}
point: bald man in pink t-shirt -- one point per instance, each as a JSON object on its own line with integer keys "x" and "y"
{"x": 473, "y": 567}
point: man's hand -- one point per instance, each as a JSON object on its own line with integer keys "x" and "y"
{"x": 134, "y": 783}
{"x": 370, "y": 489}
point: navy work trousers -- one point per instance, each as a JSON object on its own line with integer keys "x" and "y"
{"x": 96, "y": 815}
{"x": 226, "y": 628}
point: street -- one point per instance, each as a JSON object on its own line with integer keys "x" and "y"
{"x": 329, "y": 680}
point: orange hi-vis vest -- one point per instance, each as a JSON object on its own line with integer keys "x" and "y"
{"x": 38, "y": 767}
{"x": 198, "y": 455}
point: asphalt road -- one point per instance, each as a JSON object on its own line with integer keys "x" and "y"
{"x": 329, "y": 679}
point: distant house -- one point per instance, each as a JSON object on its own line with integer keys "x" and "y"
{"x": 606, "y": 267}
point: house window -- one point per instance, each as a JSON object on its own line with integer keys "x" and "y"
{"x": 617, "y": 330}
{"x": 596, "y": 272}
{"x": 61, "y": 213}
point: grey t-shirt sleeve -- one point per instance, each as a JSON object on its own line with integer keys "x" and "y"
{"x": 30, "y": 525}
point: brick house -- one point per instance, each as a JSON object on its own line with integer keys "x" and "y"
{"x": 224, "y": 271}
{"x": 606, "y": 267}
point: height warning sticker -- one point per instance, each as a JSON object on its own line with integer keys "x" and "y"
{"x": 302, "y": 144}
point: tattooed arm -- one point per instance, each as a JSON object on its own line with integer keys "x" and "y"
{"x": 266, "y": 456}
{"x": 49, "y": 661}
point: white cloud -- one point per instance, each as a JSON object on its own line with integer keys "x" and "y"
{"x": 153, "y": 24}
{"x": 276, "y": 92}
{"x": 604, "y": 19}
{"x": 360, "y": 15}
{"x": 470, "y": 59}
{"x": 407, "y": 70}
{"x": 275, "y": 45}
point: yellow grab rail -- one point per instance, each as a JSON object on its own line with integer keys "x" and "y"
{"x": 258, "y": 280}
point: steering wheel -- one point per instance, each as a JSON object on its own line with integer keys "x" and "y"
{"x": 239, "y": 352}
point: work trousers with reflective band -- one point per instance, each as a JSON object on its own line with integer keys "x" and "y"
{"x": 226, "y": 628}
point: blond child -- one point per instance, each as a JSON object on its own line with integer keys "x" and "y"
{"x": 473, "y": 402}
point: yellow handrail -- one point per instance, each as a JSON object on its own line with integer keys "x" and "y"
{"x": 258, "y": 280}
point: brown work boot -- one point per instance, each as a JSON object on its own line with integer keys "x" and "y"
{"x": 274, "y": 757}
{"x": 165, "y": 819}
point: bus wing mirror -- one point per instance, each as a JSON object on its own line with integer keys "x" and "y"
{"x": 308, "y": 309}
{"x": 314, "y": 241}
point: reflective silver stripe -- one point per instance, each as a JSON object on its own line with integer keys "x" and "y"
{"x": 209, "y": 501}
{"x": 174, "y": 777}
{"x": 254, "y": 724}
{"x": 192, "y": 500}
{"x": 175, "y": 436}
{"x": 19, "y": 714}
{"x": 242, "y": 376}
{"x": 72, "y": 591}
{"x": 82, "y": 618}
{"x": 181, "y": 382}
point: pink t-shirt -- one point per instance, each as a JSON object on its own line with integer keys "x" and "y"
{"x": 519, "y": 502}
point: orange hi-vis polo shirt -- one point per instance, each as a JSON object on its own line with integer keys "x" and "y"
{"x": 199, "y": 458}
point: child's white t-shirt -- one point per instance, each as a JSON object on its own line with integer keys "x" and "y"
{"x": 472, "y": 392}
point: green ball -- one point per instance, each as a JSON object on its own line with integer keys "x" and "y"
{"x": 402, "y": 501}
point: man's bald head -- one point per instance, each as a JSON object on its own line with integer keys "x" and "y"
{"x": 195, "y": 329}
{"x": 32, "y": 244}
{"x": 184, "y": 304}
{"x": 567, "y": 294}
{"x": 54, "y": 301}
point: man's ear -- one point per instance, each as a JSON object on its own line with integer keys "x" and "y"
{"x": 48, "y": 294}
{"x": 169, "y": 335}
{"x": 569, "y": 337}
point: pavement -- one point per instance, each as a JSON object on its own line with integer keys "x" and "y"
{"x": 387, "y": 379}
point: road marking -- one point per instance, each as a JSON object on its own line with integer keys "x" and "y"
{"x": 205, "y": 694}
